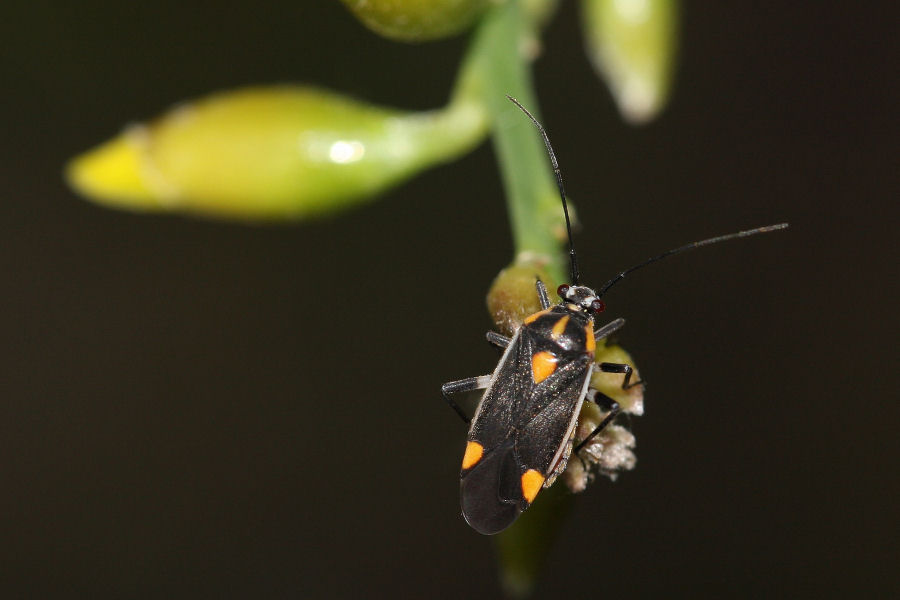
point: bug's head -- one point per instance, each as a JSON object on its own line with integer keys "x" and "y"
{"x": 582, "y": 297}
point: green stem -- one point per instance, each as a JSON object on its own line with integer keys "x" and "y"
{"x": 496, "y": 65}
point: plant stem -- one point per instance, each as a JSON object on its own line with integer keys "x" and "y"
{"x": 497, "y": 64}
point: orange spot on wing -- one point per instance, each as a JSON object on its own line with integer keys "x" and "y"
{"x": 474, "y": 450}
{"x": 590, "y": 343}
{"x": 543, "y": 364}
{"x": 532, "y": 481}
{"x": 559, "y": 328}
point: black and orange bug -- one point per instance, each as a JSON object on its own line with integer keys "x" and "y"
{"x": 522, "y": 433}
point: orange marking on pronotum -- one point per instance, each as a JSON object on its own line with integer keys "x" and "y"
{"x": 590, "y": 343}
{"x": 559, "y": 328}
{"x": 474, "y": 450}
{"x": 543, "y": 364}
{"x": 532, "y": 481}
{"x": 534, "y": 317}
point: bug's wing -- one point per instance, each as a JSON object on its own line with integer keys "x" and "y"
{"x": 542, "y": 438}
{"x": 519, "y": 430}
{"x": 490, "y": 494}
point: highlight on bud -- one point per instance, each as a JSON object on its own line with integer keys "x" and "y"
{"x": 632, "y": 44}
{"x": 271, "y": 153}
{"x": 417, "y": 20}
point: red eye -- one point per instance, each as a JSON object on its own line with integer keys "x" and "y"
{"x": 597, "y": 306}
{"x": 562, "y": 290}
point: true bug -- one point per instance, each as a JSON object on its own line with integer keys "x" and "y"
{"x": 522, "y": 433}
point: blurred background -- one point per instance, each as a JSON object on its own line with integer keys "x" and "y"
{"x": 185, "y": 413}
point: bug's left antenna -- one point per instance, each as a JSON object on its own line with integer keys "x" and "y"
{"x": 559, "y": 182}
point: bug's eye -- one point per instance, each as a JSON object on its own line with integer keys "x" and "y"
{"x": 598, "y": 306}
{"x": 562, "y": 290}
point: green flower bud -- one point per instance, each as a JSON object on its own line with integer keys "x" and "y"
{"x": 612, "y": 450}
{"x": 512, "y": 296}
{"x": 632, "y": 44}
{"x": 630, "y": 401}
{"x": 417, "y": 20}
{"x": 270, "y": 153}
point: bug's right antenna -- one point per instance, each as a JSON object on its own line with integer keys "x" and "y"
{"x": 691, "y": 246}
{"x": 559, "y": 182}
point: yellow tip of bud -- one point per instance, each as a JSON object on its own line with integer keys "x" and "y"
{"x": 113, "y": 173}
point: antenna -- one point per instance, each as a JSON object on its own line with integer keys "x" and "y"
{"x": 691, "y": 246}
{"x": 559, "y": 182}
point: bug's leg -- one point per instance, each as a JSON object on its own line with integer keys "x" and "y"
{"x": 606, "y": 403}
{"x": 501, "y": 341}
{"x": 542, "y": 294}
{"x": 620, "y": 368}
{"x": 463, "y": 385}
{"x": 609, "y": 329}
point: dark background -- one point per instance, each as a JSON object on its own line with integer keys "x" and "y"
{"x": 184, "y": 413}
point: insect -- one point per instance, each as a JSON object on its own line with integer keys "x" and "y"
{"x": 522, "y": 433}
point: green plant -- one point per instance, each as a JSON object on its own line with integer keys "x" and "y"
{"x": 293, "y": 152}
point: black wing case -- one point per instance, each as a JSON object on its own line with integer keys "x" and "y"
{"x": 521, "y": 426}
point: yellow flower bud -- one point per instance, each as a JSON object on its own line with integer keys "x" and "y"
{"x": 632, "y": 44}
{"x": 271, "y": 153}
{"x": 416, "y": 20}
{"x": 631, "y": 401}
